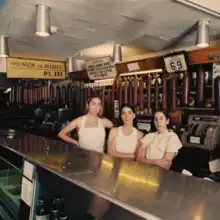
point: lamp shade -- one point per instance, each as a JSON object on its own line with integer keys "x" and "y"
{"x": 202, "y": 39}
{"x": 69, "y": 65}
{"x": 73, "y": 64}
{"x": 117, "y": 53}
{"x": 4, "y": 49}
{"x": 42, "y": 20}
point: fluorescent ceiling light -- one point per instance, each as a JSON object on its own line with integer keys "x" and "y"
{"x": 142, "y": 72}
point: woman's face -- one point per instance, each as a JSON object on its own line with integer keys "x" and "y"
{"x": 160, "y": 121}
{"x": 94, "y": 106}
{"x": 127, "y": 115}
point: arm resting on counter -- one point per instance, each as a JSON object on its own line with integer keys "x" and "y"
{"x": 71, "y": 126}
{"x": 165, "y": 162}
{"x": 111, "y": 147}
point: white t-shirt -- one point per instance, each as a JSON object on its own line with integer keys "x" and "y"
{"x": 159, "y": 144}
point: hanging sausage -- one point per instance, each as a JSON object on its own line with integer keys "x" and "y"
{"x": 58, "y": 95}
{"x": 141, "y": 96}
{"x": 120, "y": 92}
{"x": 149, "y": 94}
{"x": 164, "y": 92}
{"x": 186, "y": 89}
{"x": 156, "y": 91}
{"x": 135, "y": 92}
{"x": 200, "y": 85}
{"x": 173, "y": 93}
{"x": 63, "y": 94}
{"x": 130, "y": 89}
{"x": 51, "y": 93}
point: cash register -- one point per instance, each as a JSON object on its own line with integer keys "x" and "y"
{"x": 203, "y": 131}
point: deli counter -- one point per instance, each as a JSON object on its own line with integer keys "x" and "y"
{"x": 135, "y": 191}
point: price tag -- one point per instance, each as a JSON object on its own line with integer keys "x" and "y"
{"x": 194, "y": 140}
{"x": 175, "y": 63}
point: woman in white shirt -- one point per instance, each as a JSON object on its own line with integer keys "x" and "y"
{"x": 123, "y": 140}
{"x": 160, "y": 147}
{"x": 90, "y": 125}
{"x": 91, "y": 131}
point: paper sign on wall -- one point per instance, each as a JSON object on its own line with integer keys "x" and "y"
{"x": 28, "y": 170}
{"x": 102, "y": 68}
{"x": 37, "y": 69}
{"x": 27, "y": 190}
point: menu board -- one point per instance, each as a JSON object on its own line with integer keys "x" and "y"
{"x": 102, "y": 68}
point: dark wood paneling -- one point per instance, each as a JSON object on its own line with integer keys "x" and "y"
{"x": 78, "y": 75}
{"x": 202, "y": 56}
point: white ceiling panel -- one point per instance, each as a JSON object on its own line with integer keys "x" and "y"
{"x": 149, "y": 24}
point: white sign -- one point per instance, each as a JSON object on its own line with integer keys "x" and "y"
{"x": 195, "y": 140}
{"x": 176, "y": 63}
{"x": 27, "y": 190}
{"x": 133, "y": 67}
{"x": 102, "y": 68}
{"x": 28, "y": 170}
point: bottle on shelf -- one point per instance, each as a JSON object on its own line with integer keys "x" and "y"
{"x": 63, "y": 216}
{"x": 42, "y": 211}
{"x": 57, "y": 208}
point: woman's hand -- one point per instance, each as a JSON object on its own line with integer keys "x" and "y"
{"x": 76, "y": 143}
{"x": 164, "y": 164}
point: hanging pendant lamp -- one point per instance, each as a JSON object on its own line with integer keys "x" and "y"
{"x": 202, "y": 39}
{"x": 4, "y": 49}
{"x": 43, "y": 20}
{"x": 117, "y": 53}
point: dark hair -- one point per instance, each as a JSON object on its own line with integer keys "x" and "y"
{"x": 166, "y": 114}
{"x": 126, "y": 105}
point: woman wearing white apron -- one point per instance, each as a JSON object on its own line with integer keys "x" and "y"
{"x": 159, "y": 148}
{"x": 89, "y": 126}
{"x": 123, "y": 140}
{"x": 91, "y": 132}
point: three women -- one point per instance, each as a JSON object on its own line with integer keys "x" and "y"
{"x": 126, "y": 141}
{"x": 156, "y": 148}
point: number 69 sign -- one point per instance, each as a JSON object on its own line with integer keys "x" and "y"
{"x": 175, "y": 63}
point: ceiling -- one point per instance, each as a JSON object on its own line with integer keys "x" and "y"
{"x": 147, "y": 24}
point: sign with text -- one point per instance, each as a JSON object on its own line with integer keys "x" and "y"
{"x": 35, "y": 69}
{"x": 102, "y": 68}
{"x": 175, "y": 63}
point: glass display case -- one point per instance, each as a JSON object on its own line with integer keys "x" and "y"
{"x": 10, "y": 189}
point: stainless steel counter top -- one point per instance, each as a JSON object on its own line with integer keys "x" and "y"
{"x": 147, "y": 191}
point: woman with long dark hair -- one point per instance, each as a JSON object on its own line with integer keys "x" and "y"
{"x": 123, "y": 140}
{"x": 159, "y": 148}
